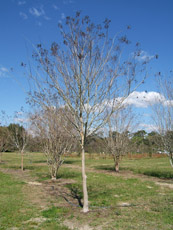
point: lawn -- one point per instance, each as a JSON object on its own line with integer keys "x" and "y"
{"x": 139, "y": 197}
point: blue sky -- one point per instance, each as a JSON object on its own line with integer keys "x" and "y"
{"x": 27, "y": 22}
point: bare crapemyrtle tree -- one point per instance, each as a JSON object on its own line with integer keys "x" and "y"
{"x": 18, "y": 133}
{"x": 163, "y": 114}
{"x": 86, "y": 73}
{"x": 120, "y": 124}
{"x": 55, "y": 136}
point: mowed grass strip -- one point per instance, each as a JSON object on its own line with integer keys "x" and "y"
{"x": 14, "y": 210}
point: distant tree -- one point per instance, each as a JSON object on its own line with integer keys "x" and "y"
{"x": 154, "y": 142}
{"x": 118, "y": 141}
{"x": 87, "y": 73}
{"x": 34, "y": 144}
{"x": 139, "y": 140}
{"x": 18, "y": 134}
{"x": 54, "y": 133}
{"x": 140, "y": 133}
{"x": 163, "y": 114}
{"x": 95, "y": 144}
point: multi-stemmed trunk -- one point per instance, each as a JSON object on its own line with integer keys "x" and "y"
{"x": 117, "y": 160}
{"x": 54, "y": 170}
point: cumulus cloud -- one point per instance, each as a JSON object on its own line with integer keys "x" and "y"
{"x": 137, "y": 99}
{"x": 23, "y": 15}
{"x": 37, "y": 12}
{"x": 145, "y": 99}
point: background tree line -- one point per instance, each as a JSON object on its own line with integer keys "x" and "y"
{"x": 138, "y": 142}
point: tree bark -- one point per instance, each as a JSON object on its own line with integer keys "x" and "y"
{"x": 84, "y": 178}
{"x": 54, "y": 172}
{"x": 117, "y": 164}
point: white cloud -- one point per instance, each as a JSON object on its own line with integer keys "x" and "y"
{"x": 145, "y": 99}
{"x": 3, "y": 69}
{"x": 37, "y": 12}
{"x": 23, "y": 15}
{"x": 3, "y": 72}
{"x": 20, "y": 3}
{"x": 144, "y": 56}
{"x": 138, "y": 99}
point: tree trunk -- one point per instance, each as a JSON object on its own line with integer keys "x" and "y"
{"x": 84, "y": 177}
{"x": 22, "y": 160}
{"x": 117, "y": 164}
{"x": 54, "y": 172}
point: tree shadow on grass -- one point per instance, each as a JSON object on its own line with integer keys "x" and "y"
{"x": 109, "y": 168}
{"x": 39, "y": 161}
{"x": 68, "y": 175}
{"x": 71, "y": 161}
{"x": 75, "y": 193}
{"x": 159, "y": 174}
{"x": 153, "y": 172}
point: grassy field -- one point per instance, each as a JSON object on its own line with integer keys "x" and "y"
{"x": 139, "y": 197}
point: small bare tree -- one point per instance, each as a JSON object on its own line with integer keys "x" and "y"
{"x": 87, "y": 73}
{"x": 55, "y": 136}
{"x": 121, "y": 122}
{"x": 163, "y": 114}
{"x": 18, "y": 134}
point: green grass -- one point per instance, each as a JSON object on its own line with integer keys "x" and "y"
{"x": 14, "y": 208}
{"x": 156, "y": 167}
{"x": 116, "y": 202}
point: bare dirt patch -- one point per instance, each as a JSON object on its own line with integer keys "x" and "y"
{"x": 163, "y": 184}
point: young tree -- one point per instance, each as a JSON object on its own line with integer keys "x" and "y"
{"x": 18, "y": 134}
{"x": 121, "y": 122}
{"x": 53, "y": 132}
{"x": 88, "y": 74}
{"x": 163, "y": 114}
